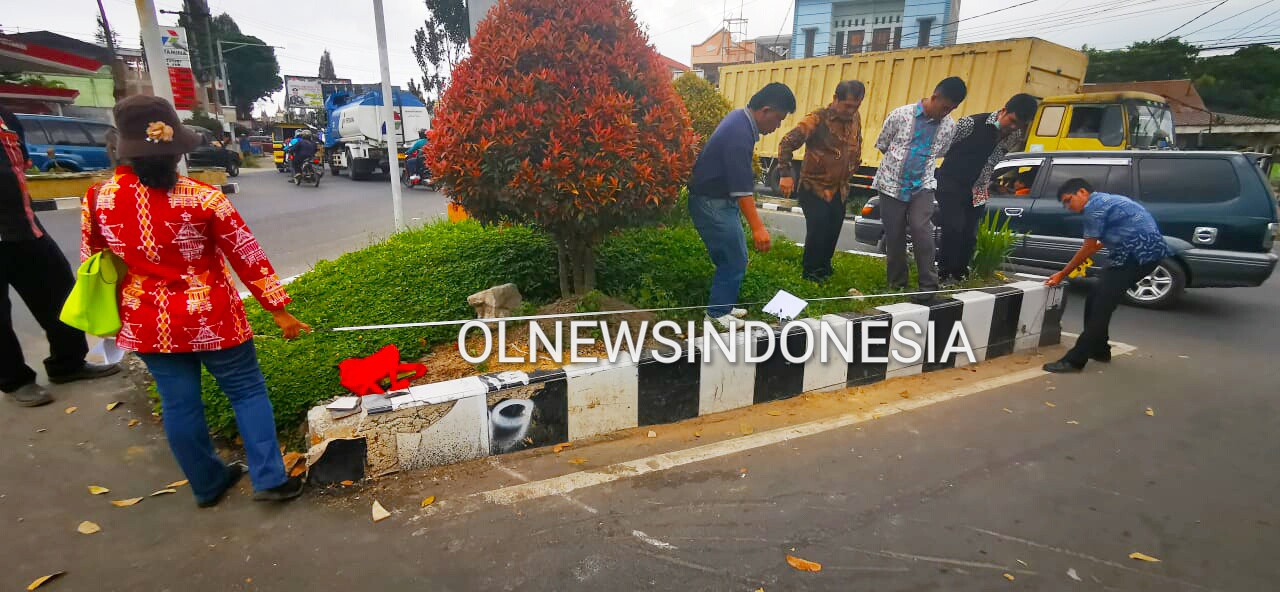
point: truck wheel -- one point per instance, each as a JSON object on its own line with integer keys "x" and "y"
{"x": 1161, "y": 289}
{"x": 361, "y": 169}
{"x": 334, "y": 170}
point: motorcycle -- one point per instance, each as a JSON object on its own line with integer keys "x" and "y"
{"x": 420, "y": 179}
{"x": 311, "y": 172}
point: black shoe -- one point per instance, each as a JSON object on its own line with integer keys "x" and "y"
{"x": 1103, "y": 356}
{"x": 235, "y": 471}
{"x": 281, "y": 493}
{"x": 86, "y": 372}
{"x": 1062, "y": 367}
{"x": 30, "y": 395}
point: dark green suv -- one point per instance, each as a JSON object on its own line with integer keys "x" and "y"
{"x": 1216, "y": 209}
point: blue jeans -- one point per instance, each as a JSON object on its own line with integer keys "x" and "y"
{"x": 236, "y": 370}
{"x": 720, "y": 227}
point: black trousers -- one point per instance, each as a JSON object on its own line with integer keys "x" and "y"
{"x": 40, "y": 274}
{"x": 1104, "y": 296}
{"x": 823, "y": 221}
{"x": 958, "y": 220}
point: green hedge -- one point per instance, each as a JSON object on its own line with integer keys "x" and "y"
{"x": 426, "y": 274}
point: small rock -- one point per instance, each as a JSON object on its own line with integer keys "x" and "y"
{"x": 496, "y": 302}
{"x": 653, "y": 434}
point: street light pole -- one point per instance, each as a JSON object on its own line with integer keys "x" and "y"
{"x": 222, "y": 65}
{"x": 388, "y": 122}
{"x": 156, "y": 64}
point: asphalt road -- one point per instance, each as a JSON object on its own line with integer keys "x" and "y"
{"x": 947, "y": 497}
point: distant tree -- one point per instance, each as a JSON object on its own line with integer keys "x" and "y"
{"x": 415, "y": 90}
{"x": 1165, "y": 59}
{"x": 200, "y": 118}
{"x": 706, "y": 107}
{"x": 440, "y": 45}
{"x": 196, "y": 20}
{"x": 253, "y": 70}
{"x": 1243, "y": 82}
{"x": 326, "y": 67}
{"x": 100, "y": 34}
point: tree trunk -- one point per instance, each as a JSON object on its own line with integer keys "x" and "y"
{"x": 566, "y": 272}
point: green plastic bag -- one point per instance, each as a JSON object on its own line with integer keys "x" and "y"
{"x": 94, "y": 306}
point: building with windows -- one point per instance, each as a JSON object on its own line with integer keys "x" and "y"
{"x": 827, "y": 27}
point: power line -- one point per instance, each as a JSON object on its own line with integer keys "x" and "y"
{"x": 1194, "y": 19}
{"x": 1229, "y": 18}
{"x": 1063, "y": 24}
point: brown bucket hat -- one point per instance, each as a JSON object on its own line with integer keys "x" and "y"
{"x": 150, "y": 127}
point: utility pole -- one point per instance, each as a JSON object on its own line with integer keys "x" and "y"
{"x": 117, "y": 69}
{"x": 222, "y": 64}
{"x": 156, "y": 64}
{"x": 388, "y": 122}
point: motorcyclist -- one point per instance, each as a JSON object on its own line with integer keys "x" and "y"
{"x": 413, "y": 164}
{"x": 303, "y": 148}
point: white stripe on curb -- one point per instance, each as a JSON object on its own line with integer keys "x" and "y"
{"x": 660, "y": 462}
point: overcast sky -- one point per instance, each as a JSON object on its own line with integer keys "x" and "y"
{"x": 345, "y": 27}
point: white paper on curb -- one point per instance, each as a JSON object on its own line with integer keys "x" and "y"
{"x": 785, "y": 305}
{"x": 108, "y": 350}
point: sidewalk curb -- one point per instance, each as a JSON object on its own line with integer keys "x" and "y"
{"x": 467, "y": 418}
{"x": 73, "y": 202}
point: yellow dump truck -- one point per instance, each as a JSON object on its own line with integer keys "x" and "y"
{"x": 993, "y": 71}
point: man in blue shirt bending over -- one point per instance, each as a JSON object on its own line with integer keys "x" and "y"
{"x": 723, "y": 185}
{"x": 1134, "y": 246}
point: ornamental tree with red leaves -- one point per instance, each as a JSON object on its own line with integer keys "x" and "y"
{"x": 562, "y": 117}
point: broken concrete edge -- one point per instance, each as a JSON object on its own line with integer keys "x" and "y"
{"x": 49, "y": 204}
{"x": 467, "y": 418}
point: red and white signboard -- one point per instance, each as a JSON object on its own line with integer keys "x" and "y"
{"x": 177, "y": 56}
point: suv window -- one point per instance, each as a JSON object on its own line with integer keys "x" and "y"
{"x": 98, "y": 132}
{"x": 1187, "y": 180}
{"x": 34, "y": 131}
{"x": 1107, "y": 178}
{"x": 66, "y": 133}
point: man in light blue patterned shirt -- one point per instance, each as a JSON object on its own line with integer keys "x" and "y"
{"x": 914, "y": 137}
{"x": 1134, "y": 246}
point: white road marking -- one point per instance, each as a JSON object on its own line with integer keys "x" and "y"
{"x": 564, "y": 484}
{"x": 514, "y": 473}
{"x": 652, "y": 541}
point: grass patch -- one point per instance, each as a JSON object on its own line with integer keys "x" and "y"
{"x": 426, "y": 274}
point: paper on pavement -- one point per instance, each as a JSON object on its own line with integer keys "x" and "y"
{"x": 785, "y": 305}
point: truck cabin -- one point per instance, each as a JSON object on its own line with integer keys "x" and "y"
{"x": 1102, "y": 121}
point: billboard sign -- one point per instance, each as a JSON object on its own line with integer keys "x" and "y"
{"x": 305, "y": 92}
{"x": 177, "y": 57}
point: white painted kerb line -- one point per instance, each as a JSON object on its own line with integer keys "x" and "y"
{"x": 652, "y": 541}
{"x": 568, "y": 483}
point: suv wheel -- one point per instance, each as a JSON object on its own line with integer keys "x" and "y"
{"x": 1161, "y": 288}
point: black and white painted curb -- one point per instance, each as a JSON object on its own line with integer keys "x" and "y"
{"x": 468, "y": 418}
{"x": 73, "y": 203}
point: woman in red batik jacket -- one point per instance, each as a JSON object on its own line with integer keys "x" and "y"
{"x": 179, "y": 308}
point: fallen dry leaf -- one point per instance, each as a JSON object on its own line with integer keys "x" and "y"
{"x": 577, "y": 461}
{"x": 291, "y": 460}
{"x": 653, "y": 434}
{"x": 97, "y": 490}
{"x": 177, "y": 483}
{"x": 1008, "y": 576}
{"x": 802, "y": 565}
{"x": 560, "y": 447}
{"x": 1143, "y": 557}
{"x": 70, "y": 410}
{"x": 1007, "y": 410}
{"x": 1071, "y": 573}
{"x": 87, "y": 527}
{"x": 113, "y": 405}
{"x": 697, "y": 433}
{"x": 746, "y": 429}
{"x": 1073, "y": 422}
{"x": 1049, "y": 404}
{"x": 773, "y": 413}
{"x": 379, "y": 513}
{"x": 134, "y": 422}
{"x": 124, "y": 503}
{"x": 40, "y": 581}
{"x": 1052, "y": 388}
{"x": 904, "y": 395}
{"x": 427, "y": 501}
{"x": 1024, "y": 563}
{"x": 163, "y": 492}
{"x": 298, "y": 470}
{"x": 41, "y": 431}
{"x": 1151, "y": 412}
{"x": 347, "y": 482}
